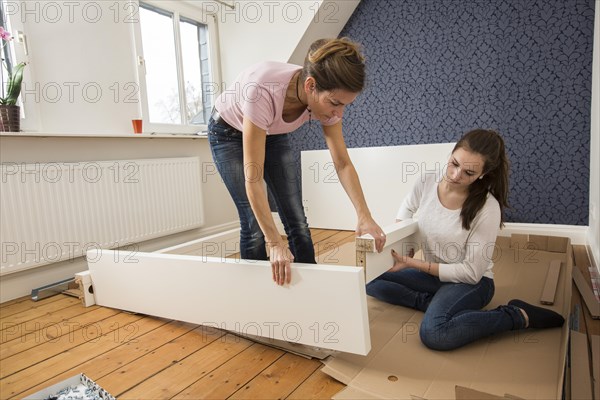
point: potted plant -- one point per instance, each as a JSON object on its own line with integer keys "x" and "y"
{"x": 10, "y": 112}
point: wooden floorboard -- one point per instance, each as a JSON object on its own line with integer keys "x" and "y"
{"x": 125, "y": 354}
{"x": 232, "y": 375}
{"x": 280, "y": 379}
{"x": 180, "y": 375}
{"x": 139, "y": 357}
{"x": 317, "y": 386}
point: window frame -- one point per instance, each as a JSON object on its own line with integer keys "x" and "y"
{"x": 19, "y": 49}
{"x": 178, "y": 11}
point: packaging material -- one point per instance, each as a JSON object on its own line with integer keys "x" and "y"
{"x": 77, "y": 387}
{"x": 525, "y": 364}
{"x": 581, "y": 372}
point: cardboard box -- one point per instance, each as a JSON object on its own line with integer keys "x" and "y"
{"x": 525, "y": 364}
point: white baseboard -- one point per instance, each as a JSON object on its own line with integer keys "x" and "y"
{"x": 576, "y": 233}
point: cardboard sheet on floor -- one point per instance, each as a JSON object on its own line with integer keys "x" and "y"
{"x": 527, "y": 364}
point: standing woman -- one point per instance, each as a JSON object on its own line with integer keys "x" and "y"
{"x": 459, "y": 216}
{"x": 249, "y": 142}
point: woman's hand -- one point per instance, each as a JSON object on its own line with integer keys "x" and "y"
{"x": 368, "y": 225}
{"x": 400, "y": 262}
{"x": 281, "y": 258}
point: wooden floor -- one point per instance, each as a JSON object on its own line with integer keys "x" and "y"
{"x": 140, "y": 357}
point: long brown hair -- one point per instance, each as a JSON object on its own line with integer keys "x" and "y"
{"x": 335, "y": 64}
{"x": 490, "y": 145}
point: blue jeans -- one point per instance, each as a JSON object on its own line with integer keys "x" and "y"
{"x": 453, "y": 315}
{"x": 280, "y": 174}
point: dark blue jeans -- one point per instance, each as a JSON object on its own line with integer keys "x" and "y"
{"x": 280, "y": 174}
{"x": 453, "y": 315}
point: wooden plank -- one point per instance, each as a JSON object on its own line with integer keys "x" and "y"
{"x": 49, "y": 349}
{"x": 23, "y": 304}
{"x": 13, "y": 331}
{"x": 404, "y": 165}
{"x": 280, "y": 379}
{"x": 217, "y": 245}
{"x": 394, "y": 233}
{"x": 37, "y": 311}
{"x": 318, "y": 386}
{"x": 251, "y": 301}
{"x": 585, "y": 290}
{"x": 581, "y": 377}
{"x": 14, "y": 301}
{"x": 121, "y": 355}
{"x": 378, "y": 263}
{"x": 232, "y": 375}
{"x": 60, "y": 333}
{"x": 551, "y": 283}
{"x": 136, "y": 372}
{"x": 42, "y": 371}
{"x": 401, "y": 236}
{"x": 173, "y": 380}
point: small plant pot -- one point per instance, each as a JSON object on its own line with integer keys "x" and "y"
{"x": 10, "y": 118}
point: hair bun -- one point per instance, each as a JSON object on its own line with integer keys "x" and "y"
{"x": 342, "y": 47}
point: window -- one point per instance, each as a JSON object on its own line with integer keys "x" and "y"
{"x": 6, "y": 55}
{"x": 11, "y": 54}
{"x": 175, "y": 62}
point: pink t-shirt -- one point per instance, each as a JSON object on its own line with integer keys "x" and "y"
{"x": 259, "y": 93}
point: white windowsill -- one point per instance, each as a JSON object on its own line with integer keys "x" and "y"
{"x": 105, "y": 135}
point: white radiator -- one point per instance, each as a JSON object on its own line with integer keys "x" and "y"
{"x": 51, "y": 212}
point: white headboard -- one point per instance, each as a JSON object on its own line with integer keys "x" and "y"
{"x": 386, "y": 173}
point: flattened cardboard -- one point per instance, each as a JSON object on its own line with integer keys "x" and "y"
{"x": 538, "y": 242}
{"x": 586, "y": 292}
{"x": 581, "y": 376}
{"x": 519, "y": 241}
{"x": 557, "y": 244}
{"x": 385, "y": 320}
{"x": 595, "y": 340}
{"x": 463, "y": 393}
{"x": 526, "y": 364}
{"x": 549, "y": 290}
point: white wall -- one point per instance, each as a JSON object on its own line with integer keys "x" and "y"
{"x": 282, "y": 31}
{"x": 594, "y": 219}
{"x": 82, "y": 56}
{"x": 261, "y": 30}
{"x": 328, "y": 23}
{"x": 219, "y": 210}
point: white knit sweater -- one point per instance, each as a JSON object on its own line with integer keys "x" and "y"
{"x": 464, "y": 256}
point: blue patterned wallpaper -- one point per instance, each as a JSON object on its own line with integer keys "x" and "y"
{"x": 438, "y": 68}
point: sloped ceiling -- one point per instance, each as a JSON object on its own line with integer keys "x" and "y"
{"x": 329, "y": 21}
{"x": 276, "y": 31}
